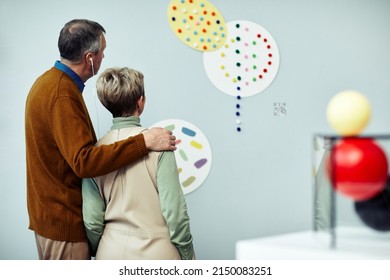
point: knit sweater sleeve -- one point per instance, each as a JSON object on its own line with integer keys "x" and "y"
{"x": 173, "y": 205}
{"x": 75, "y": 137}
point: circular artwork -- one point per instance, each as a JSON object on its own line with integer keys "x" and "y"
{"x": 247, "y": 63}
{"x": 193, "y": 153}
{"x": 198, "y": 24}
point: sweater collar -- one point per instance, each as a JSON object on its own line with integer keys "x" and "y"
{"x": 76, "y": 78}
{"x": 124, "y": 122}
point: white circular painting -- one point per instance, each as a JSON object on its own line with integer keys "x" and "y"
{"x": 247, "y": 63}
{"x": 193, "y": 153}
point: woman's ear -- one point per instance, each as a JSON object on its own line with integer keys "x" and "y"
{"x": 141, "y": 104}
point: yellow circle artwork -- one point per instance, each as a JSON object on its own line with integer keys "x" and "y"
{"x": 198, "y": 24}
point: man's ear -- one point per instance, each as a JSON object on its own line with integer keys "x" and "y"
{"x": 89, "y": 58}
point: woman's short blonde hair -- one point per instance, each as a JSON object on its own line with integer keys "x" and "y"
{"x": 119, "y": 89}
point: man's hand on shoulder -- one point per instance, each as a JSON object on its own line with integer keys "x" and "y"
{"x": 159, "y": 139}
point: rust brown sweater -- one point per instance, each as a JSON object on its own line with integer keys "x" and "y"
{"x": 59, "y": 151}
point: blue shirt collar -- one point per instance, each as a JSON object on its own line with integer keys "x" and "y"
{"x": 76, "y": 78}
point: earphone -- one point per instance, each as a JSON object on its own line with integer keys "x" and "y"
{"x": 94, "y": 98}
{"x": 93, "y": 71}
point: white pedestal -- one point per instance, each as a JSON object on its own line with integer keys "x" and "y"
{"x": 352, "y": 243}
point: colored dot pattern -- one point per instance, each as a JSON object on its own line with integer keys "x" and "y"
{"x": 198, "y": 24}
{"x": 193, "y": 153}
{"x": 241, "y": 58}
{"x": 247, "y": 63}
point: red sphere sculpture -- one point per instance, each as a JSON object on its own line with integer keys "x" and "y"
{"x": 358, "y": 168}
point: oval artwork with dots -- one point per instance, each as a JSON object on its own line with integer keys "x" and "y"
{"x": 193, "y": 153}
{"x": 198, "y": 24}
{"x": 247, "y": 63}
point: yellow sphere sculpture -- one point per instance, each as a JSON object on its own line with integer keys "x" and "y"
{"x": 348, "y": 112}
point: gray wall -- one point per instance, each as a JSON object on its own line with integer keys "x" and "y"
{"x": 260, "y": 180}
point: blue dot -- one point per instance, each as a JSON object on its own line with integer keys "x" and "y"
{"x": 238, "y": 97}
{"x": 237, "y": 114}
{"x": 238, "y": 106}
{"x": 238, "y": 88}
{"x": 238, "y": 129}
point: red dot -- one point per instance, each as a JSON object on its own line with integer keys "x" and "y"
{"x": 213, "y": 13}
{"x": 260, "y": 76}
{"x": 205, "y": 12}
{"x": 179, "y": 30}
{"x": 204, "y": 30}
{"x": 268, "y": 47}
{"x": 190, "y": 1}
{"x": 269, "y": 62}
{"x": 174, "y": 8}
{"x": 205, "y": 47}
{"x": 191, "y": 17}
{"x": 258, "y": 35}
{"x": 270, "y": 54}
{"x": 208, "y": 23}
{"x": 265, "y": 40}
{"x": 265, "y": 70}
